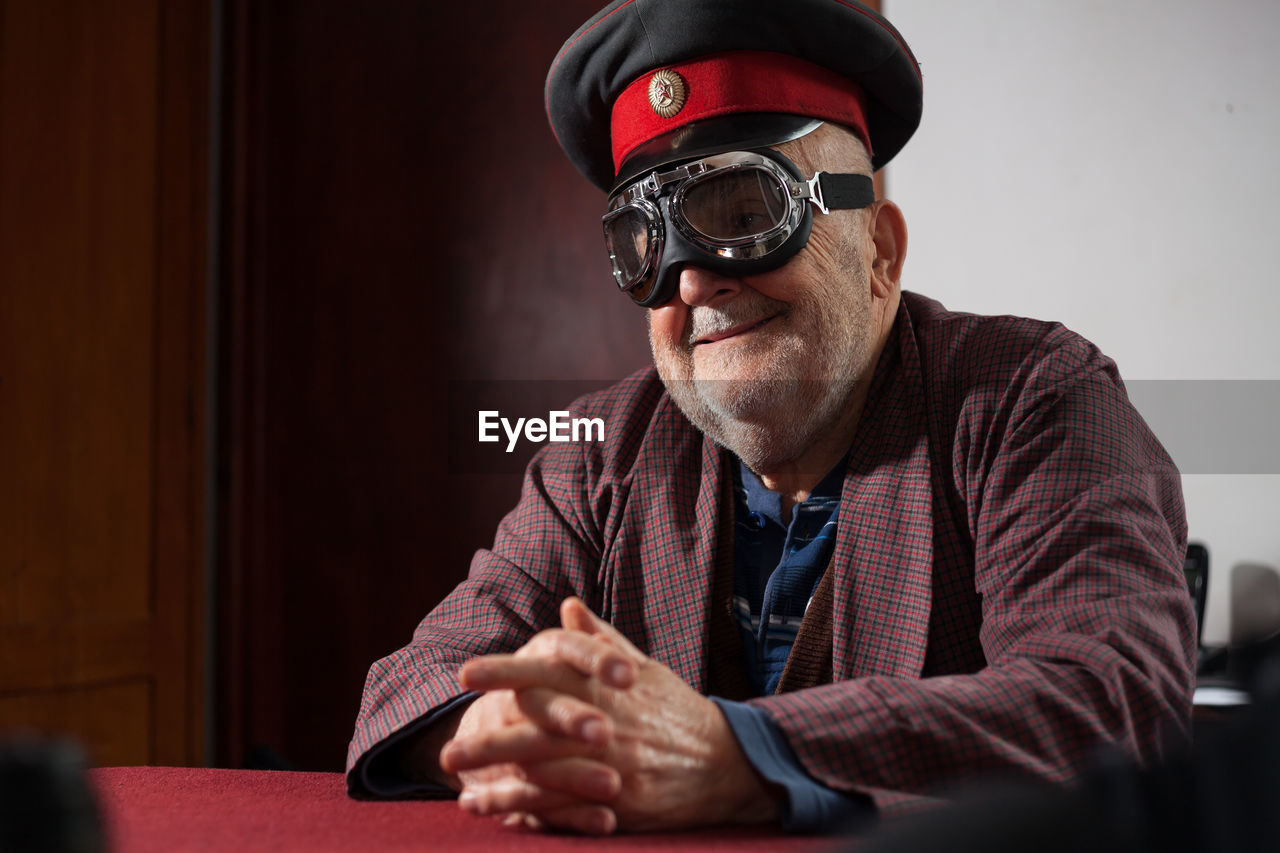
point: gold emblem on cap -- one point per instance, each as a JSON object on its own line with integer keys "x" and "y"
{"x": 667, "y": 92}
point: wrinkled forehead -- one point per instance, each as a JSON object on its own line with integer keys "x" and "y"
{"x": 830, "y": 148}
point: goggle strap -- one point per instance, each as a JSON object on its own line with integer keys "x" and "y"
{"x": 842, "y": 191}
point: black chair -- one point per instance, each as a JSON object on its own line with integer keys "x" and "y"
{"x": 1195, "y": 568}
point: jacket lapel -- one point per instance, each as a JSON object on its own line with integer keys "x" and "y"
{"x": 870, "y": 612}
{"x": 884, "y": 544}
{"x": 682, "y": 520}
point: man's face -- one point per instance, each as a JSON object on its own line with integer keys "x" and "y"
{"x": 763, "y": 364}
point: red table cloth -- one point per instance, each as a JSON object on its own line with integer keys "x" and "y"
{"x": 177, "y": 808}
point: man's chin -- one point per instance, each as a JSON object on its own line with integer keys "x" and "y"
{"x": 766, "y": 423}
{"x": 743, "y": 360}
{"x": 754, "y": 402}
{"x": 765, "y": 448}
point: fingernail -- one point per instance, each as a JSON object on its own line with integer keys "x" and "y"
{"x": 600, "y": 823}
{"x": 619, "y": 674}
{"x": 468, "y": 800}
{"x": 603, "y": 784}
{"x": 593, "y": 731}
{"x": 473, "y": 675}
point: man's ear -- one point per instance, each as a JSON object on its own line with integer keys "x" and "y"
{"x": 889, "y": 235}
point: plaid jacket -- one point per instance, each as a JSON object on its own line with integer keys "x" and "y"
{"x": 1005, "y": 594}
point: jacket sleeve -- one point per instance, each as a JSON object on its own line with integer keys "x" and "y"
{"x": 543, "y": 551}
{"x": 1077, "y": 526}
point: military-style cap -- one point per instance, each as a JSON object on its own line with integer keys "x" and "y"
{"x": 644, "y": 81}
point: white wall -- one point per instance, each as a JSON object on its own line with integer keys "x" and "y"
{"x": 1113, "y": 165}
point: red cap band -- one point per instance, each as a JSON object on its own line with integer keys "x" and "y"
{"x": 728, "y": 83}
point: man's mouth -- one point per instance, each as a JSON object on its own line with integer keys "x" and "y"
{"x": 734, "y": 331}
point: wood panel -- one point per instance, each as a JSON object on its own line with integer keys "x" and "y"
{"x": 77, "y": 190}
{"x": 103, "y": 187}
{"x": 114, "y": 722}
{"x": 63, "y": 651}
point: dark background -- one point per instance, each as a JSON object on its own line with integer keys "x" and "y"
{"x": 397, "y": 216}
{"x": 255, "y": 259}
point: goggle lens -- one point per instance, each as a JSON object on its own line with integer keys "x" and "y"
{"x": 627, "y": 236}
{"x": 735, "y": 204}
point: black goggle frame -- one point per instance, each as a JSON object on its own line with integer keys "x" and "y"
{"x": 658, "y": 198}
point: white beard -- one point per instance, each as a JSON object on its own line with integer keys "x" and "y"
{"x": 770, "y": 420}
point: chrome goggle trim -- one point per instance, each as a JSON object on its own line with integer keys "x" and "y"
{"x": 651, "y": 195}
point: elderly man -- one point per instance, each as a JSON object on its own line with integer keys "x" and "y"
{"x": 840, "y": 548}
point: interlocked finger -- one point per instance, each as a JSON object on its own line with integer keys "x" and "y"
{"x": 588, "y": 654}
{"x": 578, "y": 620}
{"x": 562, "y": 714}
{"x": 498, "y": 798}
{"x": 581, "y": 777}
{"x": 521, "y": 743}
{"x": 560, "y": 793}
{"x": 520, "y": 672}
{"x": 587, "y": 819}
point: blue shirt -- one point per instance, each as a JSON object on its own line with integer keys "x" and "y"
{"x": 777, "y": 566}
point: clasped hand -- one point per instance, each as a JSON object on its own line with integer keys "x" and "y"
{"x": 580, "y": 730}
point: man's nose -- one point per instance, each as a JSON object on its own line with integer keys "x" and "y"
{"x": 699, "y": 287}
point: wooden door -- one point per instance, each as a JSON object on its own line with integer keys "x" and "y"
{"x": 103, "y": 285}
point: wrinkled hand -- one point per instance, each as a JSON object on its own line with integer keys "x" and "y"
{"x": 586, "y": 732}
{"x": 549, "y": 729}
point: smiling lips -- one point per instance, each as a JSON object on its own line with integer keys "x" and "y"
{"x": 734, "y": 331}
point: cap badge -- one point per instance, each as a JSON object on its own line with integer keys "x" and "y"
{"x": 667, "y": 92}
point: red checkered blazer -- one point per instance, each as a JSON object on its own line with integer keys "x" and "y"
{"x": 1006, "y": 586}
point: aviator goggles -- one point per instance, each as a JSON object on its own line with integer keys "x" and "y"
{"x": 737, "y": 213}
